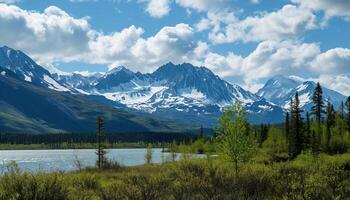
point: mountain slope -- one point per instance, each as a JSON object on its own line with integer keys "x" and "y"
{"x": 280, "y": 90}
{"x": 26, "y": 69}
{"x": 29, "y": 108}
{"x": 181, "y": 92}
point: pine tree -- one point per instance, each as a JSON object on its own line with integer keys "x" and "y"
{"x": 307, "y": 139}
{"x": 315, "y": 147}
{"x": 100, "y": 151}
{"x": 318, "y": 107}
{"x": 264, "y": 129}
{"x": 330, "y": 120}
{"x": 290, "y": 138}
{"x": 286, "y": 123}
{"x": 296, "y": 135}
{"x": 347, "y": 108}
{"x": 341, "y": 110}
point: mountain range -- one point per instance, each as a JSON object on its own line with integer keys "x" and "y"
{"x": 173, "y": 97}
{"x": 279, "y": 90}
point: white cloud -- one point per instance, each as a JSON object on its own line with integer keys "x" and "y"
{"x": 128, "y": 48}
{"x": 333, "y": 61}
{"x": 340, "y": 83}
{"x": 158, "y": 8}
{"x": 205, "y": 5}
{"x": 54, "y": 35}
{"x": 268, "y": 59}
{"x": 47, "y": 36}
{"x": 331, "y": 8}
{"x": 288, "y": 22}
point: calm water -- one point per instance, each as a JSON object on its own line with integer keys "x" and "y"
{"x": 64, "y": 160}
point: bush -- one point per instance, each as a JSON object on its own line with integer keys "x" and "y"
{"x": 306, "y": 177}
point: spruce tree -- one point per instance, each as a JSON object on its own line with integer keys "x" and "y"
{"x": 315, "y": 145}
{"x": 308, "y": 137}
{"x": 287, "y": 130}
{"x": 347, "y": 108}
{"x": 318, "y": 107}
{"x": 341, "y": 110}
{"x": 264, "y": 129}
{"x": 296, "y": 135}
{"x": 330, "y": 120}
{"x": 100, "y": 136}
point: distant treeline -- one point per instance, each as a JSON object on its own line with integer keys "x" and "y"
{"x": 148, "y": 137}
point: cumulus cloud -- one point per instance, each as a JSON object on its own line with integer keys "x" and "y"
{"x": 161, "y": 8}
{"x": 128, "y": 48}
{"x": 331, "y": 8}
{"x": 158, "y": 8}
{"x": 288, "y": 22}
{"x": 54, "y": 35}
{"x": 333, "y": 61}
{"x": 268, "y": 59}
{"x": 340, "y": 82}
{"x": 50, "y": 35}
{"x": 204, "y": 5}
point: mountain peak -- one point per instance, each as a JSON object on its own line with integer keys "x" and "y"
{"x": 119, "y": 69}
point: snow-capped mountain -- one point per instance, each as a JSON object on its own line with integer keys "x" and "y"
{"x": 77, "y": 80}
{"x": 280, "y": 90}
{"x": 182, "y": 92}
{"x": 26, "y": 69}
{"x": 177, "y": 90}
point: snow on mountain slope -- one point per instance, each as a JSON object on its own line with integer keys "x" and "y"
{"x": 184, "y": 92}
{"x": 26, "y": 69}
{"x": 288, "y": 87}
{"x": 77, "y": 80}
{"x": 184, "y": 84}
{"x": 277, "y": 88}
{"x": 176, "y": 88}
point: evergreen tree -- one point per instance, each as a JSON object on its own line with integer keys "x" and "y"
{"x": 286, "y": 125}
{"x": 341, "y": 110}
{"x": 296, "y": 135}
{"x": 347, "y": 107}
{"x": 308, "y": 137}
{"x": 100, "y": 135}
{"x": 317, "y": 110}
{"x": 264, "y": 129}
{"x": 288, "y": 129}
{"x": 330, "y": 120}
{"x": 315, "y": 145}
{"x": 318, "y": 107}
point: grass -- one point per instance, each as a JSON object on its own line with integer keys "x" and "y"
{"x": 306, "y": 177}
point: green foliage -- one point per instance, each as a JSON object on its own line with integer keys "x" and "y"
{"x": 276, "y": 144}
{"x": 234, "y": 142}
{"x": 306, "y": 177}
{"x": 296, "y": 136}
{"x": 149, "y": 154}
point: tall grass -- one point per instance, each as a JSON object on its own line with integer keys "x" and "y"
{"x": 307, "y": 177}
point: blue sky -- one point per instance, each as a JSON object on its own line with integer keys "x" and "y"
{"x": 244, "y": 42}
